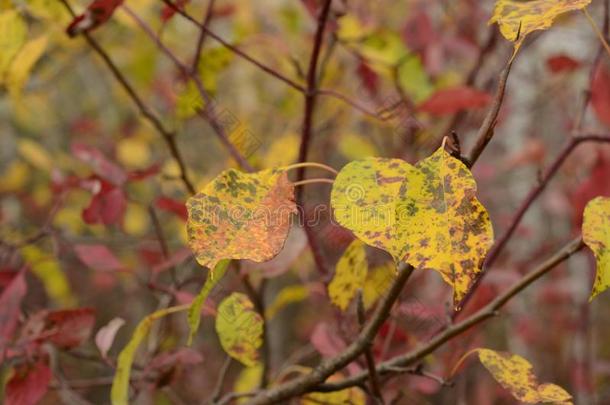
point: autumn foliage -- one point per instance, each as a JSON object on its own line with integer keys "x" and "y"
{"x": 314, "y": 202}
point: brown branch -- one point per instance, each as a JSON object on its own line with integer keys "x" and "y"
{"x": 209, "y": 12}
{"x": 546, "y": 177}
{"x": 368, "y": 354}
{"x": 388, "y": 368}
{"x": 221, "y": 380}
{"x": 486, "y": 130}
{"x": 206, "y": 113}
{"x": 168, "y": 136}
{"x": 308, "y": 382}
{"x": 272, "y": 72}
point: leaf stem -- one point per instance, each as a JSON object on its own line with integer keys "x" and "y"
{"x": 312, "y": 164}
{"x": 313, "y": 181}
{"x": 598, "y": 32}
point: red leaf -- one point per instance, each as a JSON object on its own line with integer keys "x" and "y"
{"x": 450, "y": 101}
{"x": 145, "y": 173}
{"x": 98, "y": 257}
{"x": 70, "y": 328}
{"x": 600, "y": 94}
{"x": 107, "y": 206}
{"x": 168, "y": 12}
{"x": 595, "y": 185}
{"x": 368, "y": 77}
{"x": 173, "y": 206}
{"x": 96, "y": 14}
{"x": 562, "y": 63}
{"x": 100, "y": 165}
{"x": 28, "y": 384}
{"x": 10, "y": 301}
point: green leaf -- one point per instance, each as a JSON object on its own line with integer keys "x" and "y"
{"x": 350, "y": 275}
{"x": 239, "y": 328}
{"x": 364, "y": 198}
{"x": 596, "y": 234}
{"x": 241, "y": 216}
{"x": 119, "y": 394}
{"x": 442, "y": 224}
{"x": 194, "y": 313}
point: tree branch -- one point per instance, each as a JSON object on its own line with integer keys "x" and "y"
{"x": 168, "y": 136}
{"x": 306, "y": 383}
{"x": 388, "y": 368}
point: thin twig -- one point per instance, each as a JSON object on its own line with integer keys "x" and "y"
{"x": 258, "y": 299}
{"x": 546, "y": 177}
{"x": 490, "y": 310}
{"x": 368, "y": 355}
{"x": 222, "y": 375}
{"x": 307, "y": 382}
{"x": 486, "y": 130}
{"x": 168, "y": 136}
{"x": 209, "y": 12}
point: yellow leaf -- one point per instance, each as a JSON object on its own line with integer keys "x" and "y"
{"x": 596, "y": 234}
{"x": 288, "y": 295}
{"x": 283, "y": 151}
{"x": 241, "y": 216}
{"x": 378, "y": 281}
{"x": 441, "y": 223}
{"x": 350, "y": 275}
{"x": 13, "y": 32}
{"x": 354, "y": 147}
{"x": 351, "y": 29}
{"x": 249, "y": 379}
{"x": 14, "y": 177}
{"x": 119, "y": 394}
{"x": 19, "y": 70}
{"x": 48, "y": 270}
{"x": 517, "y": 19}
{"x": 194, "y": 314}
{"x": 239, "y": 328}
{"x": 136, "y": 218}
{"x": 515, "y": 374}
{"x": 364, "y": 198}
{"x": 133, "y": 152}
{"x": 351, "y": 396}
{"x": 35, "y": 154}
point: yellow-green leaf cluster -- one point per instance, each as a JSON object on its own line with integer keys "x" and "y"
{"x": 517, "y": 19}
{"x": 241, "y": 216}
{"x": 516, "y": 375}
{"x": 426, "y": 215}
{"x": 596, "y": 234}
{"x": 239, "y": 328}
{"x": 350, "y": 275}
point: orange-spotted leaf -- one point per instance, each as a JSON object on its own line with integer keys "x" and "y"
{"x": 239, "y": 328}
{"x": 241, "y": 216}
{"x": 441, "y": 223}
{"x": 515, "y": 374}
{"x": 350, "y": 275}
{"x": 364, "y": 198}
{"x": 596, "y": 234}
{"x": 517, "y": 19}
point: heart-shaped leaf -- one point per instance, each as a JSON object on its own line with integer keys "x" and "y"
{"x": 239, "y": 328}
{"x": 441, "y": 224}
{"x": 364, "y": 198}
{"x": 596, "y": 234}
{"x": 241, "y": 216}
{"x": 350, "y": 275}
{"x": 517, "y": 19}
{"x": 516, "y": 375}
